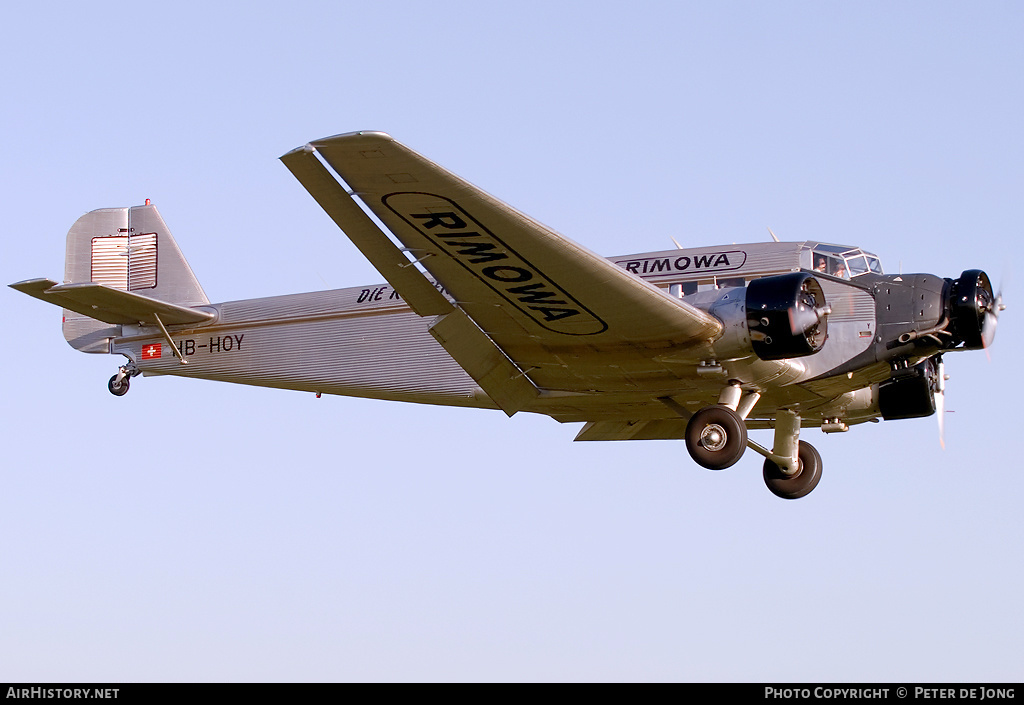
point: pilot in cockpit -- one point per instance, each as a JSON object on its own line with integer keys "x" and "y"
{"x": 830, "y": 265}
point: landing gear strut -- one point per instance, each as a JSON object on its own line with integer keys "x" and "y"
{"x": 716, "y": 437}
{"x": 119, "y": 383}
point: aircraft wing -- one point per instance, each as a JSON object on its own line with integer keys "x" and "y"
{"x": 523, "y": 284}
{"x": 110, "y": 305}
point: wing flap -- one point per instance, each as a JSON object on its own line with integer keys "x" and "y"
{"x": 111, "y": 305}
{"x": 645, "y": 430}
{"x": 498, "y": 376}
{"x": 413, "y": 287}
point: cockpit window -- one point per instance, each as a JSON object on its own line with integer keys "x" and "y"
{"x": 844, "y": 262}
{"x": 832, "y": 249}
{"x": 857, "y": 265}
{"x": 830, "y": 265}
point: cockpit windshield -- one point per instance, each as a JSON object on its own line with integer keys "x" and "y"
{"x": 843, "y": 262}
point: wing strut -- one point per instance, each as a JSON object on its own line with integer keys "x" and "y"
{"x": 170, "y": 340}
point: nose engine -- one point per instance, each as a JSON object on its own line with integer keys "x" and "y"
{"x": 922, "y": 313}
{"x": 974, "y": 309}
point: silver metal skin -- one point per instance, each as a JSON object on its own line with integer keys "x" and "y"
{"x": 731, "y": 396}
{"x": 484, "y": 307}
{"x": 747, "y": 403}
{"x": 787, "y": 439}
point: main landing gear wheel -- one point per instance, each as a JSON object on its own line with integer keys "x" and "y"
{"x": 800, "y": 484}
{"x": 716, "y": 437}
{"x": 118, "y": 388}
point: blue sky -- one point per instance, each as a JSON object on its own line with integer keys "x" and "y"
{"x": 200, "y": 531}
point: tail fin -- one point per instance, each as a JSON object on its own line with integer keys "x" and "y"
{"x": 119, "y": 249}
{"x": 131, "y": 249}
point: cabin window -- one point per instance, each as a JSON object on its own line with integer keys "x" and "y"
{"x": 731, "y": 282}
{"x": 683, "y": 289}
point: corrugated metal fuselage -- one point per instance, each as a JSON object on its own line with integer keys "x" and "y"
{"x": 366, "y": 342}
{"x": 354, "y": 342}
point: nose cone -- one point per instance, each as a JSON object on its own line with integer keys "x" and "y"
{"x": 974, "y": 308}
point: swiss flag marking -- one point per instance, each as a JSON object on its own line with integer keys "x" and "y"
{"x": 150, "y": 352}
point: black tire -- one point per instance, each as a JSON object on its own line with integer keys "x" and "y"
{"x": 716, "y": 437}
{"x": 800, "y": 484}
{"x": 118, "y": 389}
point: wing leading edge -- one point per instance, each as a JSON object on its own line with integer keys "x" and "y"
{"x": 559, "y": 316}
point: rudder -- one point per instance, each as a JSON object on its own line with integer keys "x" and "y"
{"x": 129, "y": 249}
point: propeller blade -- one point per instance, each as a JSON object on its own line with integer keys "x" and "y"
{"x": 995, "y": 307}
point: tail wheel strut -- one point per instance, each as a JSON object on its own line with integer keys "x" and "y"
{"x": 119, "y": 383}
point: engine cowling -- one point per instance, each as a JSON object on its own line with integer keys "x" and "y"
{"x": 787, "y": 316}
{"x": 910, "y": 393}
{"x": 974, "y": 309}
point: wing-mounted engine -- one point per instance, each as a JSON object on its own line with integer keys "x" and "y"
{"x": 775, "y": 318}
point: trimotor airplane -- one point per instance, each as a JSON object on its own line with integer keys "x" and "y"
{"x": 485, "y": 307}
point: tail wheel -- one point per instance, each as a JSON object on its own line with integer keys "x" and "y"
{"x": 118, "y": 388}
{"x": 800, "y": 484}
{"x": 716, "y": 437}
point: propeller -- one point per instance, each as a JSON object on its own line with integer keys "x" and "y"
{"x": 975, "y": 309}
{"x": 940, "y": 399}
{"x": 992, "y": 320}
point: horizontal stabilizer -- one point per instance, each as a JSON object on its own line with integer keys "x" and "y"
{"x": 110, "y": 305}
